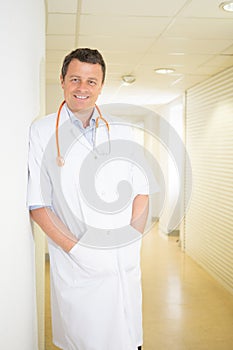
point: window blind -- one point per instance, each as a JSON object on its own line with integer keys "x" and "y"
{"x": 208, "y": 228}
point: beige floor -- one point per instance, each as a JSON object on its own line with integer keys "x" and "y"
{"x": 184, "y": 308}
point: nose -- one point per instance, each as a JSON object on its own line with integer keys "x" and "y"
{"x": 82, "y": 85}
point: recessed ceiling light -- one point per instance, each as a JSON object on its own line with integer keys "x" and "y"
{"x": 128, "y": 79}
{"x": 227, "y": 6}
{"x": 164, "y": 70}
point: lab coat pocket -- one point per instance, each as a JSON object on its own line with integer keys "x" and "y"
{"x": 130, "y": 256}
{"x": 81, "y": 257}
{"x": 98, "y": 261}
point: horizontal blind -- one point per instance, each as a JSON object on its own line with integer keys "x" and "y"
{"x": 208, "y": 232}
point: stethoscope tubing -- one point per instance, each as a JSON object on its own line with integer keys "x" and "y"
{"x": 59, "y": 159}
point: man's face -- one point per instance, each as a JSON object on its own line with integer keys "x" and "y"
{"x": 82, "y": 85}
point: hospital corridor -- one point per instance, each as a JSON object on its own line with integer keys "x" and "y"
{"x": 184, "y": 308}
{"x": 116, "y": 120}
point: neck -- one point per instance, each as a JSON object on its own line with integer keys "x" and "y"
{"x": 84, "y": 116}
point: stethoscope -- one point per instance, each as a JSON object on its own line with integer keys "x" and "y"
{"x": 60, "y": 160}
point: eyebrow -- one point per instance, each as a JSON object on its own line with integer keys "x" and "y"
{"x": 78, "y": 76}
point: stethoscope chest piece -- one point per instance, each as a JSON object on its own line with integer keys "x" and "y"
{"x": 60, "y": 161}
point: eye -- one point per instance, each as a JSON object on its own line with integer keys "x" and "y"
{"x": 92, "y": 82}
{"x": 75, "y": 80}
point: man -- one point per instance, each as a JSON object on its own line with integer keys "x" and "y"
{"x": 95, "y": 292}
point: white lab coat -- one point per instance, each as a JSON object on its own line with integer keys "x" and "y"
{"x": 95, "y": 293}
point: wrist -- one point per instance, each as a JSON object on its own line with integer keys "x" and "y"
{"x": 68, "y": 245}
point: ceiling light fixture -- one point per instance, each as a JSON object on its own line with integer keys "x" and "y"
{"x": 227, "y": 6}
{"x": 128, "y": 79}
{"x": 164, "y": 70}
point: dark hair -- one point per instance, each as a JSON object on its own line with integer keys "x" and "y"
{"x": 84, "y": 55}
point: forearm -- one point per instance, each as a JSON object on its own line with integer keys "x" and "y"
{"x": 140, "y": 212}
{"x": 54, "y": 228}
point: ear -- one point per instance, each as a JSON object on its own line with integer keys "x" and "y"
{"x": 62, "y": 81}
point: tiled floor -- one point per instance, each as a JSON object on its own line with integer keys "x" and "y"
{"x": 184, "y": 308}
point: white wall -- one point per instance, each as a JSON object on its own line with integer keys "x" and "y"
{"x": 22, "y": 60}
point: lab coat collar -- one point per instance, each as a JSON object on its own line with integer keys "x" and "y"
{"x": 70, "y": 131}
{"x": 77, "y": 133}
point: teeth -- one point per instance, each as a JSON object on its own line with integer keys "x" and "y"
{"x": 81, "y": 97}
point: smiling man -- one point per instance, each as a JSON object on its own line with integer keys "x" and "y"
{"x": 82, "y": 83}
{"x": 95, "y": 293}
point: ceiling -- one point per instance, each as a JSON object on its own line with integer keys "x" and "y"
{"x": 195, "y": 37}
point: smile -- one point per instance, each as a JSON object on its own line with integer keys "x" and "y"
{"x": 81, "y": 97}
